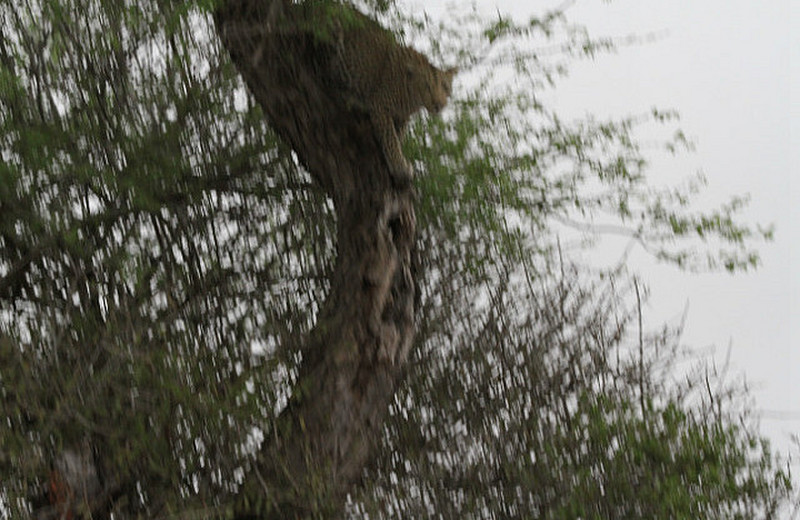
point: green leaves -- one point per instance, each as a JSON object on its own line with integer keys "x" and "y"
{"x": 138, "y": 203}
{"x": 512, "y": 159}
{"x": 531, "y": 394}
{"x": 162, "y": 255}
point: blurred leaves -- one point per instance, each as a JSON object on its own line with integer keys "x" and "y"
{"x": 145, "y": 251}
{"x": 162, "y": 256}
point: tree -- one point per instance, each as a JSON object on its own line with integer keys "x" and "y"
{"x": 209, "y": 296}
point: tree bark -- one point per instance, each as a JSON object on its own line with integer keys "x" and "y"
{"x": 354, "y": 356}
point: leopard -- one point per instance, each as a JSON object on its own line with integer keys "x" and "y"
{"x": 387, "y": 79}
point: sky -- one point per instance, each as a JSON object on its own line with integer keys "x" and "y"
{"x": 731, "y": 68}
{"x": 728, "y": 67}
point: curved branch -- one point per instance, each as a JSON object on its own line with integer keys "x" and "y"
{"x": 353, "y": 358}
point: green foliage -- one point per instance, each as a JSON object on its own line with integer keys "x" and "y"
{"x": 527, "y": 396}
{"x": 542, "y": 409}
{"x": 500, "y": 151}
{"x": 145, "y": 251}
{"x": 162, "y": 256}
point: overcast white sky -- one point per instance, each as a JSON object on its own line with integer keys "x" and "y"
{"x": 732, "y": 70}
{"x": 727, "y": 66}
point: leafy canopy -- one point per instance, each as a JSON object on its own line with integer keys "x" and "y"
{"x": 162, "y": 255}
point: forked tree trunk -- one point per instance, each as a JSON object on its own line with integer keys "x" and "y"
{"x": 354, "y": 355}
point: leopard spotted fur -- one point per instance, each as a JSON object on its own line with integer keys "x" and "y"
{"x": 389, "y": 80}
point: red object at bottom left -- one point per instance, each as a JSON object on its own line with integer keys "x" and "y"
{"x": 61, "y": 496}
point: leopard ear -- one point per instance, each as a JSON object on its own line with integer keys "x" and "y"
{"x": 446, "y": 78}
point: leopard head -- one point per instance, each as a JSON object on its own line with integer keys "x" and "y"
{"x": 439, "y": 89}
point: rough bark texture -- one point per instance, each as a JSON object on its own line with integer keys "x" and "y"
{"x": 354, "y": 355}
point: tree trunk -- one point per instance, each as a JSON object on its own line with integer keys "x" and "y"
{"x": 354, "y": 356}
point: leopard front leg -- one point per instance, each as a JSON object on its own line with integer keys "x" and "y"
{"x": 389, "y": 139}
